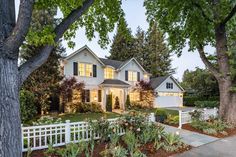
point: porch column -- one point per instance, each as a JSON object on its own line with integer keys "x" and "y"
{"x": 125, "y": 91}
{"x": 105, "y": 92}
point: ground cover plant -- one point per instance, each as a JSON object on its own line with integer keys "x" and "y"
{"x": 141, "y": 139}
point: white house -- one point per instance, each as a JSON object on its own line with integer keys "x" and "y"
{"x": 104, "y": 76}
{"x": 168, "y": 91}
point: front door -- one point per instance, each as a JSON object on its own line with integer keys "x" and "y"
{"x": 117, "y": 98}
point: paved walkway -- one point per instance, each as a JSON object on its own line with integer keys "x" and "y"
{"x": 221, "y": 148}
{"x": 191, "y": 138}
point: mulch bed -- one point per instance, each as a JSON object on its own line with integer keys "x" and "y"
{"x": 230, "y": 132}
{"x": 147, "y": 149}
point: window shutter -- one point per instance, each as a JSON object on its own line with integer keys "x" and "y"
{"x": 94, "y": 70}
{"x": 126, "y": 75}
{"x": 83, "y": 95}
{"x": 75, "y": 68}
{"x": 99, "y": 96}
{"x": 138, "y": 76}
{"x": 87, "y": 93}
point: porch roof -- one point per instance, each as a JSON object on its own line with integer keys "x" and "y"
{"x": 114, "y": 82}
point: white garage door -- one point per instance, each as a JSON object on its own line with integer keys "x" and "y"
{"x": 168, "y": 101}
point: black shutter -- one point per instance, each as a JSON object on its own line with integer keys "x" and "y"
{"x": 75, "y": 68}
{"x": 138, "y": 76}
{"x": 94, "y": 70}
{"x": 99, "y": 96}
{"x": 126, "y": 75}
{"x": 83, "y": 95}
{"x": 87, "y": 96}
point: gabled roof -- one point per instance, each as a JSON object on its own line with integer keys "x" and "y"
{"x": 114, "y": 63}
{"x": 128, "y": 61}
{"x": 80, "y": 50}
{"x": 114, "y": 82}
{"x": 156, "y": 82}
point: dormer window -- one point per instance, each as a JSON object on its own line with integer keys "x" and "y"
{"x": 169, "y": 85}
{"x": 109, "y": 73}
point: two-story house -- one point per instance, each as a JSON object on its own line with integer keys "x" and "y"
{"x": 104, "y": 76}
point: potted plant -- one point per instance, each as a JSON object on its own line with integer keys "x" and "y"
{"x": 160, "y": 116}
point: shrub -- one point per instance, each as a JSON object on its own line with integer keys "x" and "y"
{"x": 45, "y": 120}
{"x": 27, "y": 105}
{"x": 109, "y": 103}
{"x": 160, "y": 112}
{"x": 127, "y": 103}
{"x": 206, "y": 104}
{"x": 196, "y": 115}
{"x": 89, "y": 107}
{"x": 171, "y": 119}
{"x": 117, "y": 103}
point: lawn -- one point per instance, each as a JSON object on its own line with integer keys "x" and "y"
{"x": 76, "y": 117}
{"x": 153, "y": 110}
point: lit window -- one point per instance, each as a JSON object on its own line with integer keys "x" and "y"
{"x": 94, "y": 95}
{"x": 132, "y": 76}
{"x": 169, "y": 85}
{"x": 109, "y": 73}
{"x": 134, "y": 96}
{"x": 89, "y": 70}
{"x": 85, "y": 69}
{"x": 81, "y": 69}
{"x": 145, "y": 76}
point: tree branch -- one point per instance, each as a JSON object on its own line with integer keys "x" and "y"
{"x": 15, "y": 40}
{"x": 208, "y": 64}
{"x": 202, "y": 12}
{"x": 33, "y": 63}
{"x": 229, "y": 16}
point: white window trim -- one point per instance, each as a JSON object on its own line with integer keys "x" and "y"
{"x": 132, "y": 71}
{"x": 85, "y": 65}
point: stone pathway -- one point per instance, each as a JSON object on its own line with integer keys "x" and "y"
{"x": 221, "y": 148}
{"x": 191, "y": 138}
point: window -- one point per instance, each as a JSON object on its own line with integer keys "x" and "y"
{"x": 85, "y": 69}
{"x": 169, "y": 85}
{"x": 109, "y": 73}
{"x": 93, "y": 95}
{"x": 134, "y": 96}
{"x": 132, "y": 76}
{"x": 170, "y": 94}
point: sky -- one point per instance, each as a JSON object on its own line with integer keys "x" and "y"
{"x": 135, "y": 16}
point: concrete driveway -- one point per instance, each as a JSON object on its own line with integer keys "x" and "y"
{"x": 221, "y": 148}
{"x": 184, "y": 108}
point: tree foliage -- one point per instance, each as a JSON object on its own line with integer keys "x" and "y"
{"x": 201, "y": 82}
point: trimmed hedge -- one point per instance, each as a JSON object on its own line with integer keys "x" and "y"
{"x": 190, "y": 100}
{"x": 206, "y": 104}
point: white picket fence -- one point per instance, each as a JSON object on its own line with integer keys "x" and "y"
{"x": 185, "y": 117}
{"x": 39, "y": 137}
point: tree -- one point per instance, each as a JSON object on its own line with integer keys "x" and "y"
{"x": 202, "y": 23}
{"x": 121, "y": 48}
{"x": 201, "y": 82}
{"x": 94, "y": 15}
{"x": 159, "y": 61}
{"x": 44, "y": 88}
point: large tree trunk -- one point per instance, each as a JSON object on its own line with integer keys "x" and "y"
{"x": 227, "y": 98}
{"x": 10, "y": 124}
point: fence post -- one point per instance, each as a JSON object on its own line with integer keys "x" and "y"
{"x": 152, "y": 117}
{"x": 22, "y": 137}
{"x": 67, "y": 132}
{"x": 180, "y": 119}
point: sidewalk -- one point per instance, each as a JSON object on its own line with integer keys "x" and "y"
{"x": 191, "y": 138}
{"x": 221, "y": 148}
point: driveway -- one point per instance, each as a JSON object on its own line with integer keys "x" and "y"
{"x": 184, "y": 108}
{"x": 221, "y": 148}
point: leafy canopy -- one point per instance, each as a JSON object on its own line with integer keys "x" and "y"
{"x": 189, "y": 21}
{"x": 101, "y": 18}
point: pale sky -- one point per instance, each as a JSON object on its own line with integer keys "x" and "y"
{"x": 135, "y": 16}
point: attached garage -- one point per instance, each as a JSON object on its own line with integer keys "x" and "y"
{"x": 168, "y": 91}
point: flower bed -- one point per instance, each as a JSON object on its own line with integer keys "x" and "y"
{"x": 141, "y": 139}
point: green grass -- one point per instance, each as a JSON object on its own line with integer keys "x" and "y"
{"x": 76, "y": 117}
{"x": 168, "y": 111}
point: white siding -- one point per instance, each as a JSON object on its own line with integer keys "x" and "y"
{"x": 85, "y": 57}
{"x": 168, "y": 101}
{"x": 131, "y": 66}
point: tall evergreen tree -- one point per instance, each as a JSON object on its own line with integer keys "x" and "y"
{"x": 121, "y": 48}
{"x": 44, "y": 81}
{"x": 159, "y": 62}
